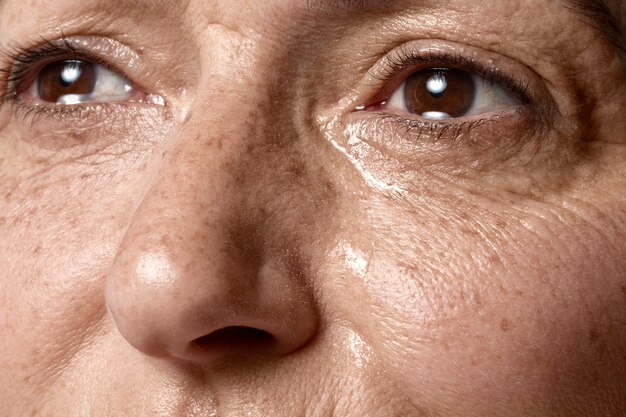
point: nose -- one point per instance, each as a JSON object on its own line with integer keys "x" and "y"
{"x": 201, "y": 276}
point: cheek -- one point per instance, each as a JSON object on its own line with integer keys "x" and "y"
{"x": 60, "y": 228}
{"x": 474, "y": 310}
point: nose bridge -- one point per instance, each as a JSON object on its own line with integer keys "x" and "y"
{"x": 190, "y": 207}
{"x": 194, "y": 197}
{"x": 199, "y": 188}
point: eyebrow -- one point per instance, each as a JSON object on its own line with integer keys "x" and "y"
{"x": 595, "y": 13}
{"x": 317, "y": 6}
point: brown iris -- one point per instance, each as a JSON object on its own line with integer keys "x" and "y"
{"x": 440, "y": 92}
{"x": 62, "y": 78}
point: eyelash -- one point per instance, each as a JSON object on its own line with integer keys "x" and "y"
{"x": 18, "y": 63}
{"x": 401, "y": 64}
{"x": 405, "y": 60}
{"x": 19, "y": 66}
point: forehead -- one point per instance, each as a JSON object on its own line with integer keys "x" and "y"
{"x": 604, "y": 16}
{"x": 597, "y": 9}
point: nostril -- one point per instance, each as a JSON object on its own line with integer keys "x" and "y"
{"x": 233, "y": 340}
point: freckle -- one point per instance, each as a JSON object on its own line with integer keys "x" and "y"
{"x": 502, "y": 289}
{"x": 478, "y": 299}
{"x": 37, "y": 249}
{"x": 505, "y": 325}
{"x": 78, "y": 137}
{"x": 501, "y": 224}
{"x": 469, "y": 232}
{"x": 330, "y": 188}
{"x": 165, "y": 240}
{"x": 37, "y": 192}
{"x": 593, "y": 335}
{"x": 623, "y": 288}
{"x": 494, "y": 259}
{"x": 240, "y": 179}
{"x": 297, "y": 169}
{"x": 16, "y": 220}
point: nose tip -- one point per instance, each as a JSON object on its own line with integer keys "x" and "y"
{"x": 170, "y": 309}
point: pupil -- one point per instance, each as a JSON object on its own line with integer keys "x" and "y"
{"x": 70, "y": 80}
{"x": 440, "y": 93}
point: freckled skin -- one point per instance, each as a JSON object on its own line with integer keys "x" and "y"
{"x": 258, "y": 248}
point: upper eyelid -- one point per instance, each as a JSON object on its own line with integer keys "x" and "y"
{"x": 455, "y": 61}
{"x": 18, "y": 62}
{"x": 397, "y": 64}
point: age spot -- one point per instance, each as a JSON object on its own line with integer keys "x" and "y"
{"x": 505, "y": 325}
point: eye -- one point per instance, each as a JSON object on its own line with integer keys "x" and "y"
{"x": 74, "y": 81}
{"x": 446, "y": 93}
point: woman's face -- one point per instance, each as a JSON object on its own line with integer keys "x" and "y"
{"x": 312, "y": 208}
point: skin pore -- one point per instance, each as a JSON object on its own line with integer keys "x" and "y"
{"x": 255, "y": 228}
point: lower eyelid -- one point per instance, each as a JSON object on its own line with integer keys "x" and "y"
{"x": 427, "y": 140}
{"x": 86, "y": 117}
{"x": 85, "y": 129}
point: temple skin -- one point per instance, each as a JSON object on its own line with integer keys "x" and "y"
{"x": 250, "y": 237}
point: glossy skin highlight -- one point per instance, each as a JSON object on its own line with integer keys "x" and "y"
{"x": 254, "y": 245}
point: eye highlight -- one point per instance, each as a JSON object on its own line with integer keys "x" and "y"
{"x": 74, "y": 81}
